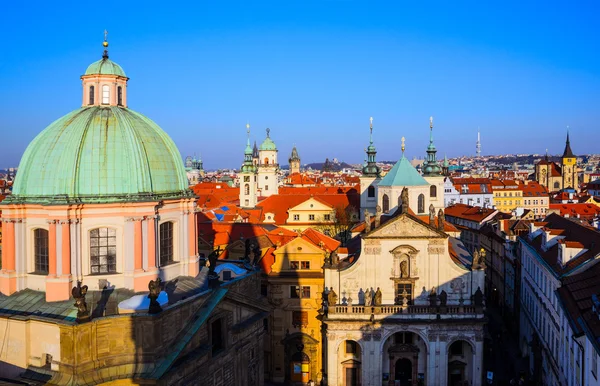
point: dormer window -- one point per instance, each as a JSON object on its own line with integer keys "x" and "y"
{"x": 91, "y": 102}
{"x": 105, "y": 94}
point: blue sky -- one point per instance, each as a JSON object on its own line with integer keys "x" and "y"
{"x": 314, "y": 72}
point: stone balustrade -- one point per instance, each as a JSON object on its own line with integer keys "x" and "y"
{"x": 409, "y": 309}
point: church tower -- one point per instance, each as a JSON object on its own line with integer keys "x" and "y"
{"x": 569, "y": 167}
{"x": 294, "y": 161}
{"x": 268, "y": 167}
{"x": 248, "y": 177}
{"x": 432, "y": 172}
{"x": 371, "y": 176}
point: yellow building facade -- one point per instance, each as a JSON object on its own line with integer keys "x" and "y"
{"x": 507, "y": 195}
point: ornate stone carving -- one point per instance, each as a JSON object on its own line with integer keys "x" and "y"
{"x": 457, "y": 285}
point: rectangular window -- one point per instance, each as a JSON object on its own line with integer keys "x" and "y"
{"x": 294, "y": 292}
{"x": 305, "y": 264}
{"x": 166, "y": 243}
{"x": 226, "y": 275}
{"x": 294, "y": 265}
{"x": 351, "y": 347}
{"x": 401, "y": 287}
{"x": 105, "y": 94}
{"x": 327, "y": 217}
{"x": 296, "y": 217}
{"x": 311, "y": 217}
{"x": 41, "y": 251}
{"x": 266, "y": 187}
{"x": 299, "y": 318}
{"x": 103, "y": 250}
{"x": 306, "y": 292}
{"x": 216, "y": 336}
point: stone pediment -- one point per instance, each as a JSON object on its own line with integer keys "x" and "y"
{"x": 405, "y": 226}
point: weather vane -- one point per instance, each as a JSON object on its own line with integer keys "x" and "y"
{"x": 268, "y": 131}
{"x": 431, "y": 122}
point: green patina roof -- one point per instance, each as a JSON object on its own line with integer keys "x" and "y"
{"x": 105, "y": 66}
{"x": 403, "y": 174}
{"x": 100, "y": 154}
{"x": 268, "y": 144}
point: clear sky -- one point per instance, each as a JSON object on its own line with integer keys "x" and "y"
{"x": 314, "y": 72}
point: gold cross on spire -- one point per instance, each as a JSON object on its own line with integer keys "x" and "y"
{"x": 403, "y": 147}
{"x": 431, "y": 122}
{"x": 248, "y": 128}
{"x": 105, "y": 42}
{"x": 371, "y": 120}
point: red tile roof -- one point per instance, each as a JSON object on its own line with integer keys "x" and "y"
{"x": 585, "y": 211}
{"x": 467, "y": 212}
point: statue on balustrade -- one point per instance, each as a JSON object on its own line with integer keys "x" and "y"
{"x": 368, "y": 298}
{"x": 332, "y": 297}
{"x": 377, "y": 297}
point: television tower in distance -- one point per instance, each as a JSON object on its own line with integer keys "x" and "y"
{"x": 478, "y": 145}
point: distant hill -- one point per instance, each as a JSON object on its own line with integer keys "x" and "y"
{"x": 329, "y": 166}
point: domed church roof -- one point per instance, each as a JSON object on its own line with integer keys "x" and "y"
{"x": 101, "y": 154}
{"x": 268, "y": 143}
{"x": 105, "y": 66}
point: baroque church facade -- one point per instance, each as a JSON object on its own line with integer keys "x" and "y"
{"x": 408, "y": 308}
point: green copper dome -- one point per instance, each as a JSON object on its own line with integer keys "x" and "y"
{"x": 105, "y": 66}
{"x": 100, "y": 154}
{"x": 268, "y": 143}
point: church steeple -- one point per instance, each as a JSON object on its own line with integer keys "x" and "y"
{"x": 371, "y": 169}
{"x": 430, "y": 166}
{"x": 568, "y": 153}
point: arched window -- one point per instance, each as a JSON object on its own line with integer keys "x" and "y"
{"x": 556, "y": 185}
{"x": 91, "y": 102}
{"x": 120, "y": 96}
{"x": 105, "y": 94}
{"x": 40, "y": 250}
{"x": 421, "y": 203}
{"x": 385, "y": 203}
{"x": 371, "y": 191}
{"x": 166, "y": 243}
{"x": 433, "y": 191}
{"x": 247, "y": 189}
{"x": 266, "y": 161}
{"x": 103, "y": 250}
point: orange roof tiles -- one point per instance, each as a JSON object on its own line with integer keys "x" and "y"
{"x": 467, "y": 212}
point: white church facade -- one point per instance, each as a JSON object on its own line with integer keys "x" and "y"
{"x": 408, "y": 309}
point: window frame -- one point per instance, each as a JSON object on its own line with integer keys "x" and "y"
{"x": 38, "y": 252}
{"x": 111, "y": 234}
{"x": 166, "y": 252}
{"x": 105, "y": 94}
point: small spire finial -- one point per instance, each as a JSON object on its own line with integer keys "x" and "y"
{"x": 371, "y": 130}
{"x": 431, "y": 122}
{"x": 268, "y": 131}
{"x": 105, "y": 45}
{"x": 403, "y": 146}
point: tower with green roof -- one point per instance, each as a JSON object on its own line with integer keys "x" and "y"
{"x": 248, "y": 177}
{"x": 433, "y": 172}
{"x": 268, "y": 167}
{"x": 371, "y": 176}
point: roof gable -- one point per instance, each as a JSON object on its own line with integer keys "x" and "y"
{"x": 312, "y": 204}
{"x": 405, "y": 226}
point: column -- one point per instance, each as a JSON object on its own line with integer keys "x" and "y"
{"x": 151, "y": 243}
{"x": 8, "y": 241}
{"x": 137, "y": 244}
{"x": 192, "y": 233}
{"x": 52, "y": 248}
{"x": 58, "y": 287}
{"x": 478, "y": 360}
{"x": 8, "y": 275}
{"x": 66, "y": 248}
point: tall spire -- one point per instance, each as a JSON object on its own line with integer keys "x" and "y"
{"x": 248, "y": 165}
{"x": 431, "y": 166}
{"x": 568, "y": 153}
{"x": 370, "y": 167}
{"x": 105, "y": 45}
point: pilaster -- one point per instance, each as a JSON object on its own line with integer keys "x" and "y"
{"x": 8, "y": 274}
